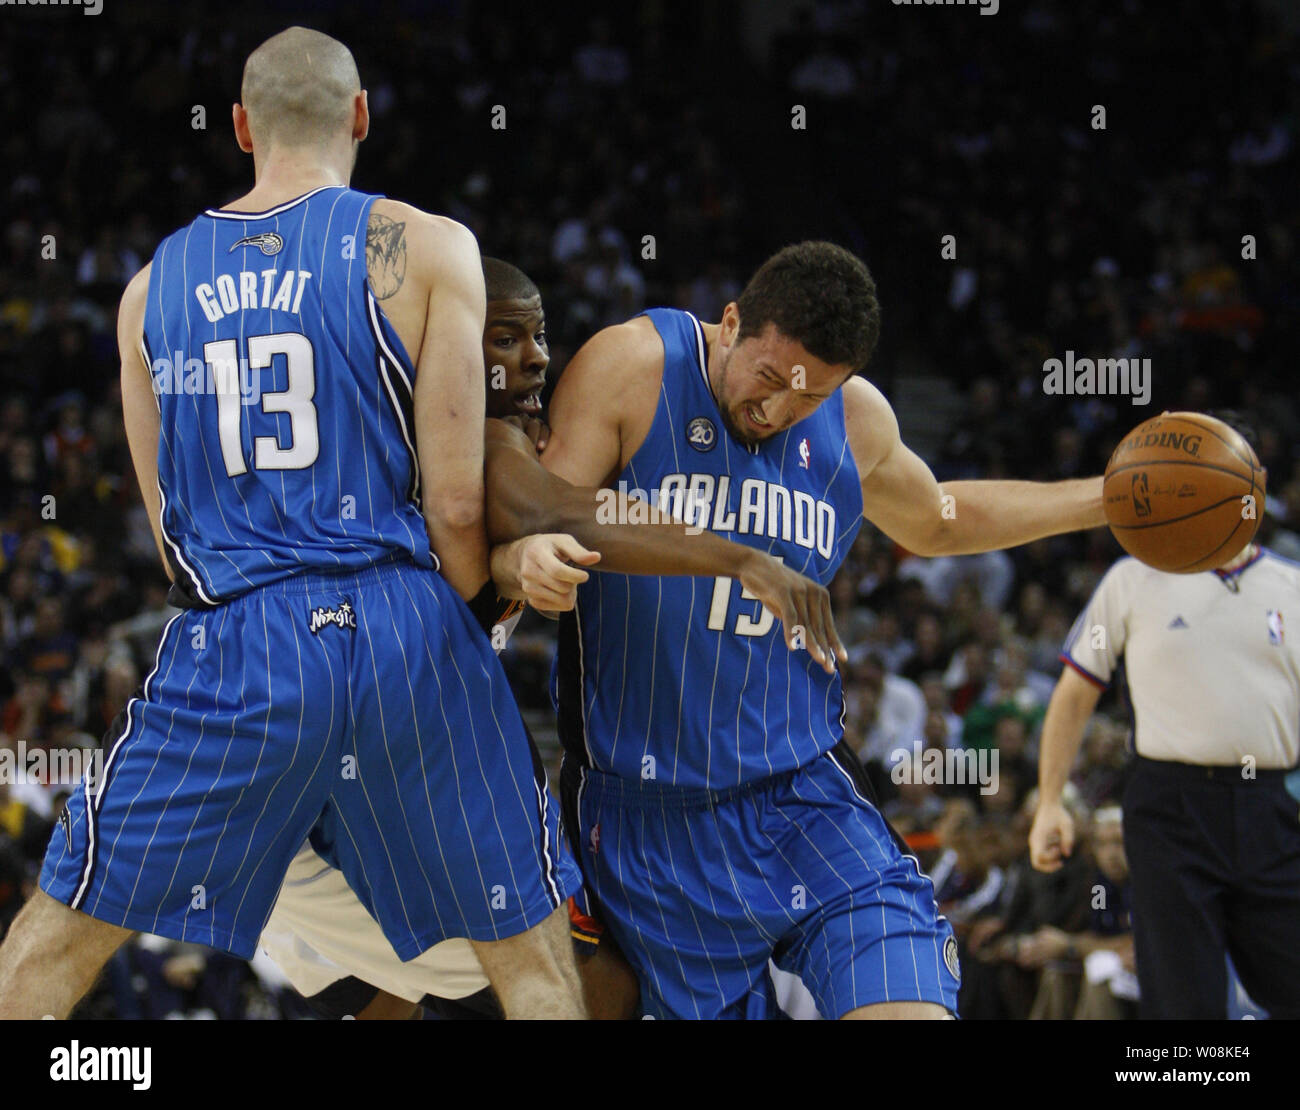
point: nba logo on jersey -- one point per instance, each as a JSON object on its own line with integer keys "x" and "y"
{"x": 1276, "y": 633}
{"x": 805, "y": 453}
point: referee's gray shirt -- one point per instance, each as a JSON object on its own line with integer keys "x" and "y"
{"x": 1213, "y": 668}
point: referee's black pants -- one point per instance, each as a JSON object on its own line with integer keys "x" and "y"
{"x": 1214, "y": 860}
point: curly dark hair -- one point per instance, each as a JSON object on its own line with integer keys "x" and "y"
{"x": 820, "y": 295}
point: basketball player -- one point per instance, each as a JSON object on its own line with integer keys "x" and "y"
{"x": 327, "y": 674}
{"x": 319, "y": 933}
{"x": 1211, "y": 830}
{"x": 721, "y": 818}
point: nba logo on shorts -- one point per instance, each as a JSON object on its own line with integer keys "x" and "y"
{"x": 1276, "y": 633}
{"x": 595, "y": 838}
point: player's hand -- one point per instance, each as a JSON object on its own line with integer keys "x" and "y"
{"x": 537, "y": 431}
{"x": 801, "y": 605}
{"x": 1051, "y": 838}
{"x": 542, "y": 570}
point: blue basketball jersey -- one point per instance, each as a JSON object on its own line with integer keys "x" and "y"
{"x": 285, "y": 398}
{"x": 687, "y": 680}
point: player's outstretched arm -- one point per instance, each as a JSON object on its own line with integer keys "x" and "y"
{"x": 902, "y": 498}
{"x": 633, "y": 537}
{"x": 450, "y": 398}
{"x": 1052, "y": 836}
{"x": 139, "y": 404}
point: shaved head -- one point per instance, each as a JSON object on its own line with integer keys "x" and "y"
{"x": 298, "y": 89}
{"x": 505, "y": 282}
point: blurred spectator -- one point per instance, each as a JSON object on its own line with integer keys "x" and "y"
{"x": 887, "y": 714}
{"x": 1090, "y": 974}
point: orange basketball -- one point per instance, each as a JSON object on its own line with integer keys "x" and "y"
{"x": 1183, "y": 492}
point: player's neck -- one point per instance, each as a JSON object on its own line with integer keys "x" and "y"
{"x": 285, "y": 175}
{"x": 710, "y": 350}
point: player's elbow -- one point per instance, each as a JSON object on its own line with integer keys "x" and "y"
{"x": 932, "y": 541}
{"x": 460, "y": 510}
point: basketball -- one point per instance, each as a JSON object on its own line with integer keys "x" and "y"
{"x": 1183, "y": 492}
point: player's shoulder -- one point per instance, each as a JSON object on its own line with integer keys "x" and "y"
{"x": 621, "y": 357}
{"x": 869, "y": 421}
{"x": 391, "y": 218}
{"x": 505, "y": 435}
{"x": 130, "y": 310}
{"x": 138, "y": 287}
{"x": 636, "y": 339}
{"x": 408, "y": 247}
{"x": 864, "y": 401}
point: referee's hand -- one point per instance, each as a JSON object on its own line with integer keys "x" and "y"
{"x": 1051, "y": 838}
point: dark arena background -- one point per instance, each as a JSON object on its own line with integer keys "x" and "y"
{"x": 1027, "y": 181}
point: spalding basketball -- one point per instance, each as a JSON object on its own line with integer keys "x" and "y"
{"x": 1183, "y": 492}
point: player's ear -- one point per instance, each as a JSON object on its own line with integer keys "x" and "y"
{"x": 730, "y": 324}
{"x": 243, "y": 136}
{"x": 360, "y": 117}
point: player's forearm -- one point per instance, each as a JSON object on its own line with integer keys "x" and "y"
{"x": 458, "y": 536}
{"x": 141, "y": 422}
{"x": 990, "y": 515}
{"x": 450, "y": 448}
{"x": 633, "y": 537}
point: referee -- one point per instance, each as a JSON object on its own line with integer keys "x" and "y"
{"x": 1211, "y": 832}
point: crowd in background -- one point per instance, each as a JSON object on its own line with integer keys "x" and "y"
{"x": 653, "y": 159}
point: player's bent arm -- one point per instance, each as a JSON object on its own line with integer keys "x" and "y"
{"x": 611, "y": 384}
{"x": 450, "y": 400}
{"x": 633, "y": 537}
{"x": 1071, "y": 705}
{"x": 140, "y": 404}
{"x": 901, "y": 496}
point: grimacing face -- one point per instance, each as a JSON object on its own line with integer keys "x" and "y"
{"x": 768, "y": 382}
{"x": 514, "y": 338}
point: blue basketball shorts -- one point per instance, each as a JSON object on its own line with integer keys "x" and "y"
{"x": 700, "y": 889}
{"x": 365, "y": 709}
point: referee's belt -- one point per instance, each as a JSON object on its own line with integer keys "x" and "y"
{"x": 1206, "y": 772}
